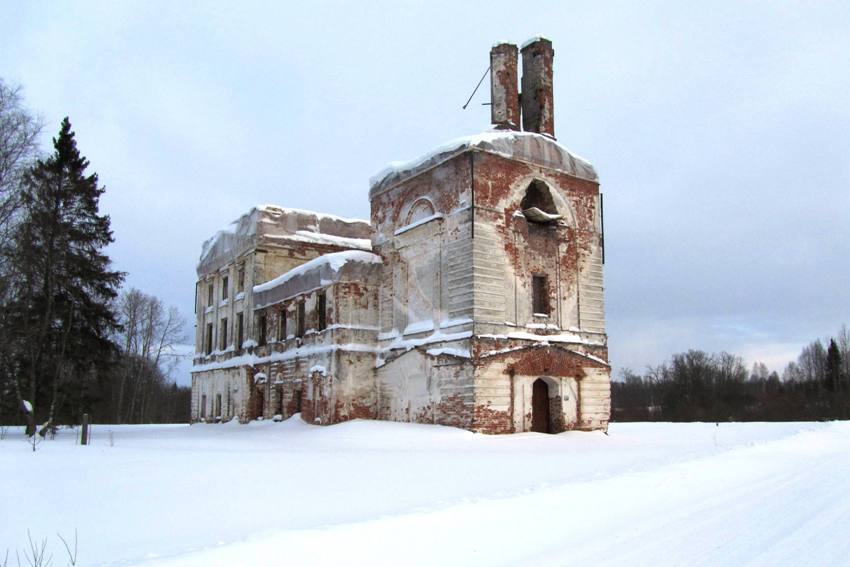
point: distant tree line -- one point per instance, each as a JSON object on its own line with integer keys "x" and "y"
{"x": 70, "y": 341}
{"x": 698, "y": 386}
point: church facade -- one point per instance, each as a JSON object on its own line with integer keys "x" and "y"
{"x": 473, "y": 297}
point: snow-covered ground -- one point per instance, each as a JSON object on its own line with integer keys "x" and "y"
{"x": 377, "y": 493}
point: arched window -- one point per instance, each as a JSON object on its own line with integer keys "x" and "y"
{"x": 537, "y": 205}
{"x": 421, "y": 209}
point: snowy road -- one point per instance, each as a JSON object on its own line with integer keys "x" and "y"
{"x": 386, "y": 494}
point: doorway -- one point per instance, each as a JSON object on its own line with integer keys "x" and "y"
{"x": 260, "y": 402}
{"x": 540, "y": 407}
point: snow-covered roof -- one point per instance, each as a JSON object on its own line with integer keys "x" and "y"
{"x": 273, "y": 224}
{"x": 524, "y": 146}
{"x": 348, "y": 265}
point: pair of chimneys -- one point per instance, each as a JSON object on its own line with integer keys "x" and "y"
{"x": 538, "y": 113}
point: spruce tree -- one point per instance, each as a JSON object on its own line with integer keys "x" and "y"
{"x": 833, "y": 367}
{"x": 62, "y": 308}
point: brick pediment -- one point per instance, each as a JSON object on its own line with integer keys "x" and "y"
{"x": 549, "y": 360}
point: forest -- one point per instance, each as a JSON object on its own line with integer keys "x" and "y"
{"x": 699, "y": 386}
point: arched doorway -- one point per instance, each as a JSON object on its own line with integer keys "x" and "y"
{"x": 540, "y": 407}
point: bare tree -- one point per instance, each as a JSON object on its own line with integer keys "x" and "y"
{"x": 843, "y": 341}
{"x": 149, "y": 333}
{"x": 19, "y": 132}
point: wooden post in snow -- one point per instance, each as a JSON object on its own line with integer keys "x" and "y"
{"x": 84, "y": 436}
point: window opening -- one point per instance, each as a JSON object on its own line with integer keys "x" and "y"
{"x": 225, "y": 284}
{"x": 259, "y": 410}
{"x": 540, "y": 295}
{"x": 240, "y": 330}
{"x": 223, "y": 344}
{"x": 261, "y": 338}
{"x": 281, "y": 325}
{"x": 321, "y": 309}
{"x": 209, "y": 340}
{"x": 299, "y": 319}
{"x": 240, "y": 279}
{"x": 537, "y": 204}
{"x": 278, "y": 409}
{"x": 210, "y": 293}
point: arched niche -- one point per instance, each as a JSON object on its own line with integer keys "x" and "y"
{"x": 422, "y": 208}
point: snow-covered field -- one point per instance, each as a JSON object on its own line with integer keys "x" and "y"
{"x": 376, "y": 493}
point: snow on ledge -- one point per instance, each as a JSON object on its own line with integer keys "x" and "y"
{"x": 555, "y": 338}
{"x": 327, "y": 239}
{"x": 419, "y": 327}
{"x": 534, "y": 39}
{"x": 459, "y": 352}
{"x": 290, "y": 210}
{"x": 291, "y": 354}
{"x": 335, "y": 261}
{"x": 420, "y": 222}
{"x": 447, "y": 323}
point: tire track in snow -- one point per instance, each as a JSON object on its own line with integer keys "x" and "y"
{"x": 761, "y": 505}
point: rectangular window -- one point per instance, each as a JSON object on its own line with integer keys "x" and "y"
{"x": 540, "y": 298}
{"x": 321, "y": 310}
{"x": 299, "y": 320}
{"x": 240, "y": 279}
{"x": 208, "y": 344}
{"x": 225, "y": 286}
{"x": 218, "y": 406}
{"x": 210, "y": 293}
{"x": 223, "y": 334}
{"x": 203, "y": 406}
{"x": 261, "y": 331}
{"x": 240, "y": 330}
{"x": 281, "y": 324}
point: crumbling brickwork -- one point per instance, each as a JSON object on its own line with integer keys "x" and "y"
{"x": 538, "y": 101}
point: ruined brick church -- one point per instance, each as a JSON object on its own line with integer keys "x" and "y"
{"x": 472, "y": 298}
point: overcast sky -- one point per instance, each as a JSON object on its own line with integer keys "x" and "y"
{"x": 720, "y": 131}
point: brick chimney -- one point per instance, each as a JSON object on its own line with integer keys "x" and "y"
{"x": 538, "y": 111}
{"x": 504, "y": 94}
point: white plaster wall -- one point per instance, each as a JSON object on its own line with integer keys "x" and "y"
{"x": 595, "y": 396}
{"x": 231, "y": 383}
{"x": 426, "y": 389}
{"x": 405, "y": 387}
